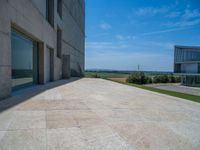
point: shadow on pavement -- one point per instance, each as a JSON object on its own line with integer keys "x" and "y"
{"x": 26, "y": 93}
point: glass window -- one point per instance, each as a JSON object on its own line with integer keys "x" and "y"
{"x": 59, "y": 7}
{"x": 50, "y": 11}
{"x": 198, "y": 67}
{"x": 23, "y": 56}
{"x": 59, "y": 43}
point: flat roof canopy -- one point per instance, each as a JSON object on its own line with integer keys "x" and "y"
{"x": 188, "y": 47}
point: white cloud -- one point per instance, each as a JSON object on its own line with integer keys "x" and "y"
{"x": 189, "y": 14}
{"x": 162, "y": 45}
{"x": 130, "y": 46}
{"x": 119, "y": 37}
{"x": 105, "y": 26}
{"x": 163, "y": 31}
{"x": 122, "y": 37}
{"x": 134, "y": 37}
{"x": 173, "y": 14}
{"x": 151, "y": 11}
{"x": 186, "y": 19}
{"x": 183, "y": 23}
{"x": 105, "y": 45}
{"x": 99, "y": 35}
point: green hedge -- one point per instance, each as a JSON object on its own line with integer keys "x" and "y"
{"x": 141, "y": 78}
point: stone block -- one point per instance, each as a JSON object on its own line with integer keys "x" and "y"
{"x": 24, "y": 139}
{"x": 66, "y": 66}
{"x": 5, "y": 49}
{"x": 4, "y": 16}
{"x": 5, "y": 82}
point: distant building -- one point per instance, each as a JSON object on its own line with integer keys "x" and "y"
{"x": 40, "y": 41}
{"x": 187, "y": 64}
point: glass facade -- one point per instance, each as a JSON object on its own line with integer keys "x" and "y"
{"x": 191, "y": 80}
{"x": 24, "y": 60}
{"x": 182, "y": 55}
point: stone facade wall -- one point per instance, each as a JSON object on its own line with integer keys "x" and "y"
{"x": 29, "y": 17}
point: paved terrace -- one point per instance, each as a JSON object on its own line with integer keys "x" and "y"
{"x": 95, "y": 114}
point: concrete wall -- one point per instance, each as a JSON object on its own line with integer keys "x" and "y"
{"x": 73, "y": 36}
{"x": 29, "y": 17}
{"x": 5, "y": 51}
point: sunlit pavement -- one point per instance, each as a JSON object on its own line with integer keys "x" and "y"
{"x": 95, "y": 114}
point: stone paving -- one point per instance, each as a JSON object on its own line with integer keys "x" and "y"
{"x": 95, "y": 114}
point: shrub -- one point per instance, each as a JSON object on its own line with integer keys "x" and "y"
{"x": 166, "y": 79}
{"x": 149, "y": 80}
{"x": 172, "y": 78}
{"x": 177, "y": 79}
{"x": 141, "y": 78}
{"x": 161, "y": 79}
{"x": 95, "y": 75}
{"x": 138, "y": 78}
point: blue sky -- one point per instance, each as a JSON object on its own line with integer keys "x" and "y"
{"x": 122, "y": 34}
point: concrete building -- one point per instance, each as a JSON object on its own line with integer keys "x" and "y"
{"x": 187, "y": 64}
{"x": 40, "y": 41}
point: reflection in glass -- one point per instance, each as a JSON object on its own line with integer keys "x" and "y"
{"x": 182, "y": 55}
{"x": 22, "y": 60}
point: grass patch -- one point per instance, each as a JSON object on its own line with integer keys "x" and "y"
{"x": 194, "y": 98}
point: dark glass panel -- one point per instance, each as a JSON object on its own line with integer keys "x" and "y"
{"x": 50, "y": 11}
{"x": 22, "y": 60}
